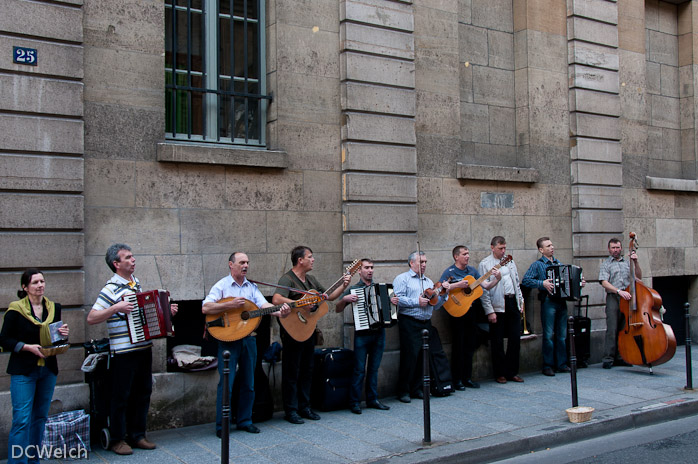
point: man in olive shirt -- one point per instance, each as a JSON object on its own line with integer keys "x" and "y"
{"x": 297, "y": 366}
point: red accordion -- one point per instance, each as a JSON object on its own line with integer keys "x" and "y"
{"x": 151, "y": 317}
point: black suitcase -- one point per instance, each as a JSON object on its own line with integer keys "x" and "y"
{"x": 332, "y": 378}
{"x": 582, "y": 333}
{"x": 439, "y": 367}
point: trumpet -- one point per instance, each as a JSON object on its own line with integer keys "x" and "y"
{"x": 523, "y": 314}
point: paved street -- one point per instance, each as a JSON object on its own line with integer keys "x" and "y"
{"x": 493, "y": 422}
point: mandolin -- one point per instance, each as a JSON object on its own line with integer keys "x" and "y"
{"x": 460, "y": 299}
{"x": 300, "y": 324}
{"x": 237, "y": 323}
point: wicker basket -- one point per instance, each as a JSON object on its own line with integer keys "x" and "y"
{"x": 579, "y": 413}
{"x": 54, "y": 350}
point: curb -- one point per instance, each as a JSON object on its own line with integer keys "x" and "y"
{"x": 509, "y": 444}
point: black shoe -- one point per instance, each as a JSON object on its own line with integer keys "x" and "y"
{"x": 294, "y": 418}
{"x": 620, "y": 362}
{"x": 377, "y": 405}
{"x": 459, "y": 386}
{"x": 355, "y": 408}
{"x": 219, "y": 433}
{"x": 309, "y": 414}
{"x": 564, "y": 368}
{"x": 419, "y": 394}
{"x": 249, "y": 428}
{"x": 607, "y": 364}
{"x": 470, "y": 384}
{"x": 404, "y": 398}
{"x": 582, "y": 364}
{"x": 548, "y": 371}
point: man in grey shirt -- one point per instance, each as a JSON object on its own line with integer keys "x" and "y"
{"x": 614, "y": 275}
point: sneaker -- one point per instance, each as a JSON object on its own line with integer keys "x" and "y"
{"x": 607, "y": 364}
{"x": 122, "y": 448}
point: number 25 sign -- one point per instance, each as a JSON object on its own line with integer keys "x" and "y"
{"x": 23, "y": 55}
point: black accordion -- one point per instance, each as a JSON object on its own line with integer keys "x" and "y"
{"x": 567, "y": 281}
{"x": 373, "y": 309}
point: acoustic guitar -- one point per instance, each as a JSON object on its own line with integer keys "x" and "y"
{"x": 300, "y": 324}
{"x": 237, "y": 323}
{"x": 460, "y": 299}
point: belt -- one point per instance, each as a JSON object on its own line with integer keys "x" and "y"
{"x": 421, "y": 321}
{"x": 510, "y": 296}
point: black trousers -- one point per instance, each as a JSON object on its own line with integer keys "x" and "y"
{"x": 508, "y": 325}
{"x": 464, "y": 339}
{"x": 131, "y": 375}
{"x": 296, "y": 371}
{"x": 410, "y": 373}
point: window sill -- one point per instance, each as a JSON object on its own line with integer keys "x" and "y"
{"x": 496, "y": 173}
{"x": 224, "y": 155}
{"x": 676, "y": 185}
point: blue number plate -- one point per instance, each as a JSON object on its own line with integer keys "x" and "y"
{"x": 23, "y": 55}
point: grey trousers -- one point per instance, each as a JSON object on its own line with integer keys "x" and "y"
{"x": 613, "y": 317}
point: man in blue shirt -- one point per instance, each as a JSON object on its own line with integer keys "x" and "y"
{"x": 243, "y": 352}
{"x": 553, "y": 313}
{"x": 464, "y": 329}
{"x": 414, "y": 315}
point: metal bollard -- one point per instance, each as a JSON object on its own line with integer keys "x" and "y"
{"x": 427, "y": 387}
{"x": 689, "y": 366}
{"x": 225, "y": 425}
{"x": 572, "y": 361}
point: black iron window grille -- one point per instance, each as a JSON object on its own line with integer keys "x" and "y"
{"x": 215, "y": 76}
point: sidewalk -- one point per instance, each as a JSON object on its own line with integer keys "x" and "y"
{"x": 475, "y": 425}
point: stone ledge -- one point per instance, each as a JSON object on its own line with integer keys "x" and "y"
{"x": 676, "y": 185}
{"x": 496, "y": 173}
{"x": 225, "y": 155}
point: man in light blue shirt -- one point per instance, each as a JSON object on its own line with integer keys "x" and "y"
{"x": 243, "y": 352}
{"x": 414, "y": 315}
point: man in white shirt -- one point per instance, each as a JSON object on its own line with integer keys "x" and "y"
{"x": 242, "y": 352}
{"x": 502, "y": 304}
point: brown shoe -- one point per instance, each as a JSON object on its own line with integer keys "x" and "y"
{"x": 516, "y": 378}
{"x": 122, "y": 448}
{"x": 145, "y": 444}
{"x": 501, "y": 380}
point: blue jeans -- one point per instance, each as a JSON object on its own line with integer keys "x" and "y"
{"x": 31, "y": 398}
{"x": 553, "y": 316}
{"x": 370, "y": 344}
{"x": 243, "y": 353}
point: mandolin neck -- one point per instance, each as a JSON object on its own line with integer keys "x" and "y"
{"x": 272, "y": 309}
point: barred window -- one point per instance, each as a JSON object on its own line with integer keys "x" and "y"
{"x": 215, "y": 71}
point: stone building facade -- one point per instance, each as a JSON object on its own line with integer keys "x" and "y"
{"x": 387, "y": 122}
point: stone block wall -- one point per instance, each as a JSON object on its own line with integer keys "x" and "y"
{"x": 392, "y": 121}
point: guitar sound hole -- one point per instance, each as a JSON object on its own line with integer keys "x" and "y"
{"x": 245, "y": 315}
{"x": 302, "y": 319}
{"x": 467, "y": 291}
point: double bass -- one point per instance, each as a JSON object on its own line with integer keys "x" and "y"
{"x": 644, "y": 340}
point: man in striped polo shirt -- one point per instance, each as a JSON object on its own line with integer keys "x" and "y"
{"x": 130, "y": 364}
